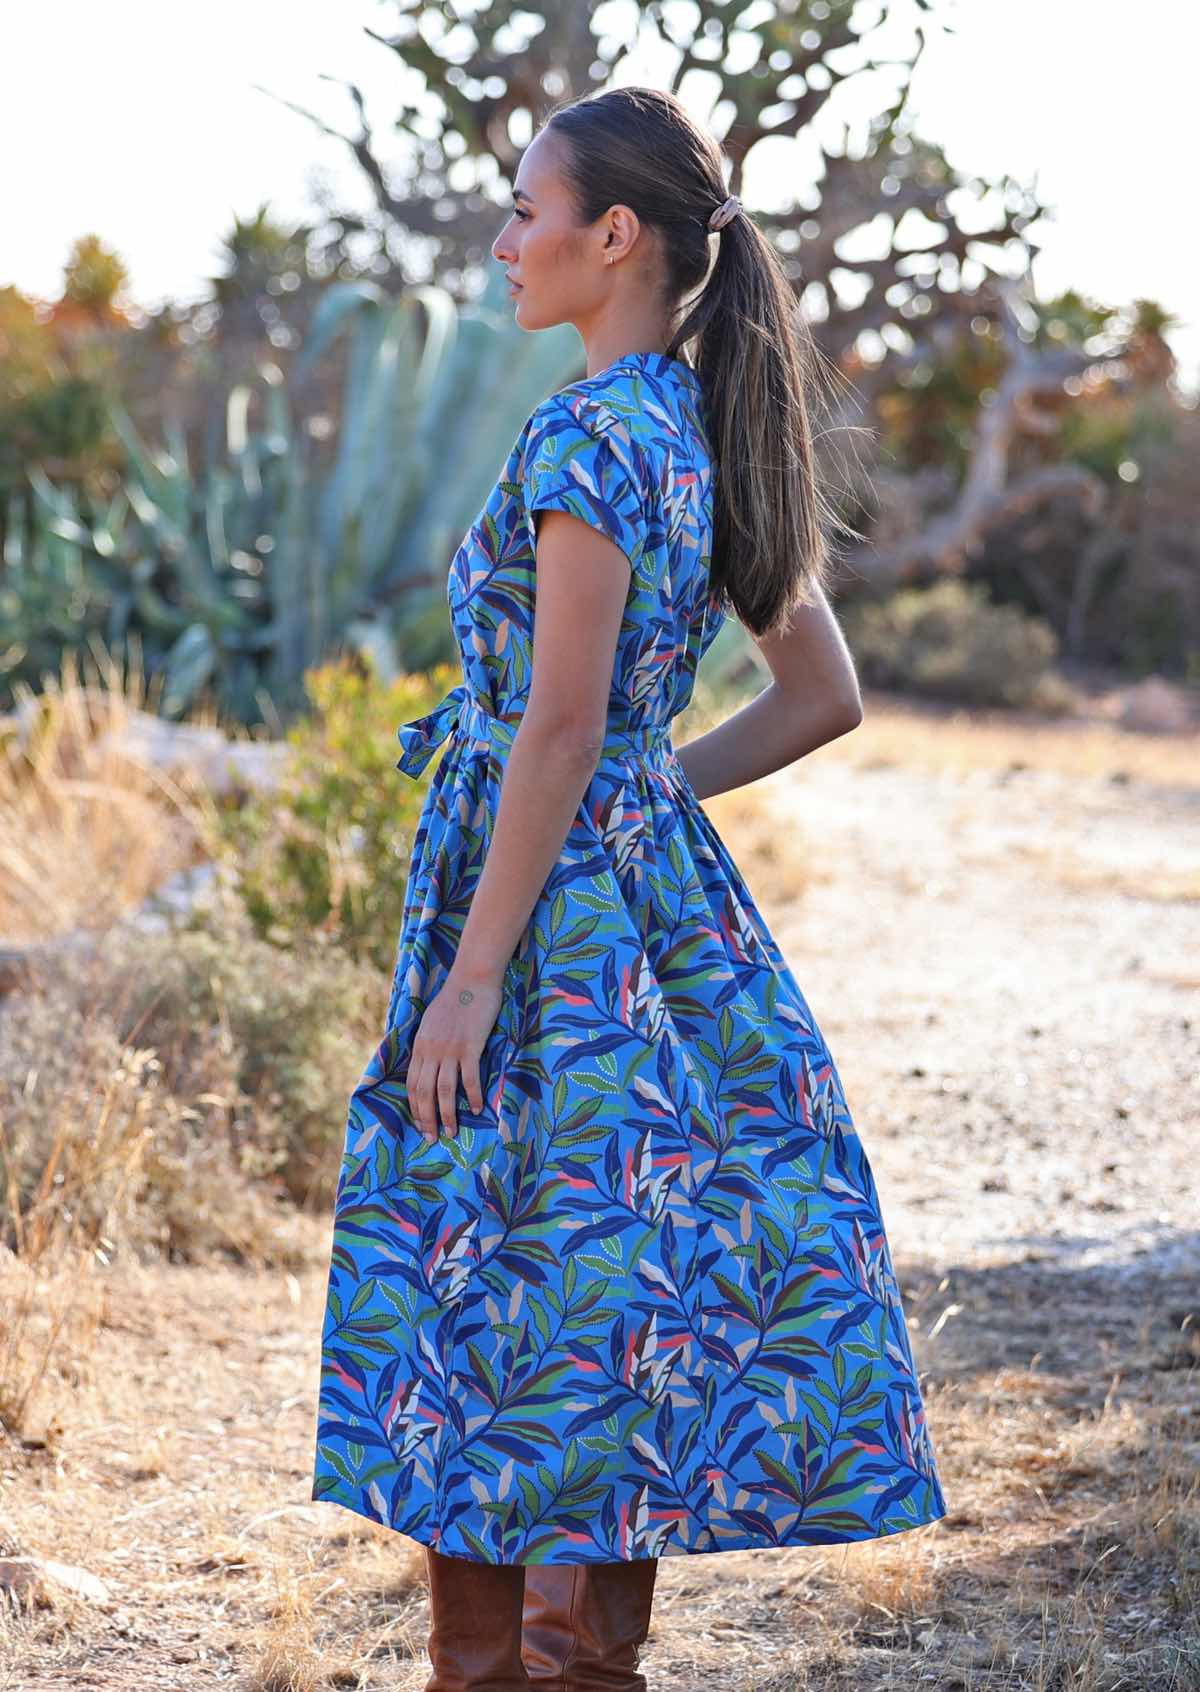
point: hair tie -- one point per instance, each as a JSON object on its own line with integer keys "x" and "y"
{"x": 725, "y": 212}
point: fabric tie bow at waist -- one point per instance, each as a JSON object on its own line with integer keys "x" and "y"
{"x": 420, "y": 738}
{"x": 463, "y": 709}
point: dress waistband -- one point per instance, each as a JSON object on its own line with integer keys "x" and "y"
{"x": 463, "y": 709}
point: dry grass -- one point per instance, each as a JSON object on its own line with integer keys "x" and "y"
{"x": 87, "y": 831}
{"x": 161, "y": 1092}
{"x": 175, "y": 1464}
{"x": 1168, "y": 886}
{"x": 1092, "y": 746}
{"x": 768, "y": 856}
{"x": 128, "y": 1119}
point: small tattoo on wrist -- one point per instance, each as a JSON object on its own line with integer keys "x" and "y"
{"x": 465, "y": 996}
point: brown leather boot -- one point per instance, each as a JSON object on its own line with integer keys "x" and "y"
{"x": 475, "y": 1625}
{"x": 582, "y": 1625}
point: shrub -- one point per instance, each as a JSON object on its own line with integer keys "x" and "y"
{"x": 327, "y": 854}
{"x": 177, "y": 1092}
{"x": 949, "y": 641}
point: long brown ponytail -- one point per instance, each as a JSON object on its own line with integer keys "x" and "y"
{"x": 739, "y": 320}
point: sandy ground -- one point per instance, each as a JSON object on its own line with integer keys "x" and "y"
{"x": 1023, "y": 1052}
{"x": 1005, "y": 964}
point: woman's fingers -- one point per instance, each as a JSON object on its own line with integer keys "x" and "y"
{"x": 448, "y": 1045}
{"x": 419, "y": 1091}
{"x": 471, "y": 1084}
{"x": 432, "y": 1091}
{"x": 447, "y": 1086}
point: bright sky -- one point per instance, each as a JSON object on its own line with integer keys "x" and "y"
{"x": 142, "y": 123}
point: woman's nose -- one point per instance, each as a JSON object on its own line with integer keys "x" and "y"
{"x": 502, "y": 246}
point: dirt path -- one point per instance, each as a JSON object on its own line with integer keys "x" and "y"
{"x": 1005, "y": 966}
{"x": 1022, "y": 1049}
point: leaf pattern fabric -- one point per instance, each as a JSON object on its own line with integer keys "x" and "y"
{"x": 590, "y": 473}
{"x": 643, "y": 1304}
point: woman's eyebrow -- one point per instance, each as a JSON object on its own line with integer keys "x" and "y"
{"x": 520, "y": 194}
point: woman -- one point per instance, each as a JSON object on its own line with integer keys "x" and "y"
{"x": 609, "y": 1279}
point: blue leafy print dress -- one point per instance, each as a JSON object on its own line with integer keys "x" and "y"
{"x": 643, "y": 1304}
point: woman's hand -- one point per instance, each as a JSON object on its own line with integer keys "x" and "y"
{"x": 449, "y": 1038}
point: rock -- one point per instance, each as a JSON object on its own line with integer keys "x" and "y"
{"x": 223, "y": 765}
{"x": 21, "y": 1582}
{"x": 36, "y": 1581}
{"x": 191, "y": 890}
{"x": 177, "y": 898}
{"x": 18, "y": 962}
{"x": 1156, "y": 706}
{"x": 160, "y": 744}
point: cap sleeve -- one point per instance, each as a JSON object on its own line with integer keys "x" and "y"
{"x": 570, "y": 466}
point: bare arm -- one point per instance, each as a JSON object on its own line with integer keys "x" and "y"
{"x": 582, "y": 585}
{"x": 813, "y": 698}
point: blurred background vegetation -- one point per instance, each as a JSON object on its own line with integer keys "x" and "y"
{"x": 248, "y": 486}
{"x": 225, "y": 529}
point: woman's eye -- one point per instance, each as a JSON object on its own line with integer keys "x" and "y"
{"x": 518, "y": 213}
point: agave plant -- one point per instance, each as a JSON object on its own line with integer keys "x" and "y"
{"x": 242, "y": 576}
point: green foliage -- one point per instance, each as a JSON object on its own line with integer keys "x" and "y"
{"x": 1071, "y": 318}
{"x": 929, "y": 414}
{"x": 178, "y": 1092}
{"x": 950, "y": 641}
{"x": 258, "y": 252}
{"x": 94, "y": 278}
{"x": 49, "y": 411}
{"x": 1115, "y": 429}
{"x": 235, "y": 580}
{"x": 328, "y": 853}
{"x": 295, "y": 1038}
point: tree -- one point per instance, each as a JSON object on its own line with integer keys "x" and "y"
{"x": 56, "y": 363}
{"x": 264, "y": 264}
{"x": 769, "y": 73}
